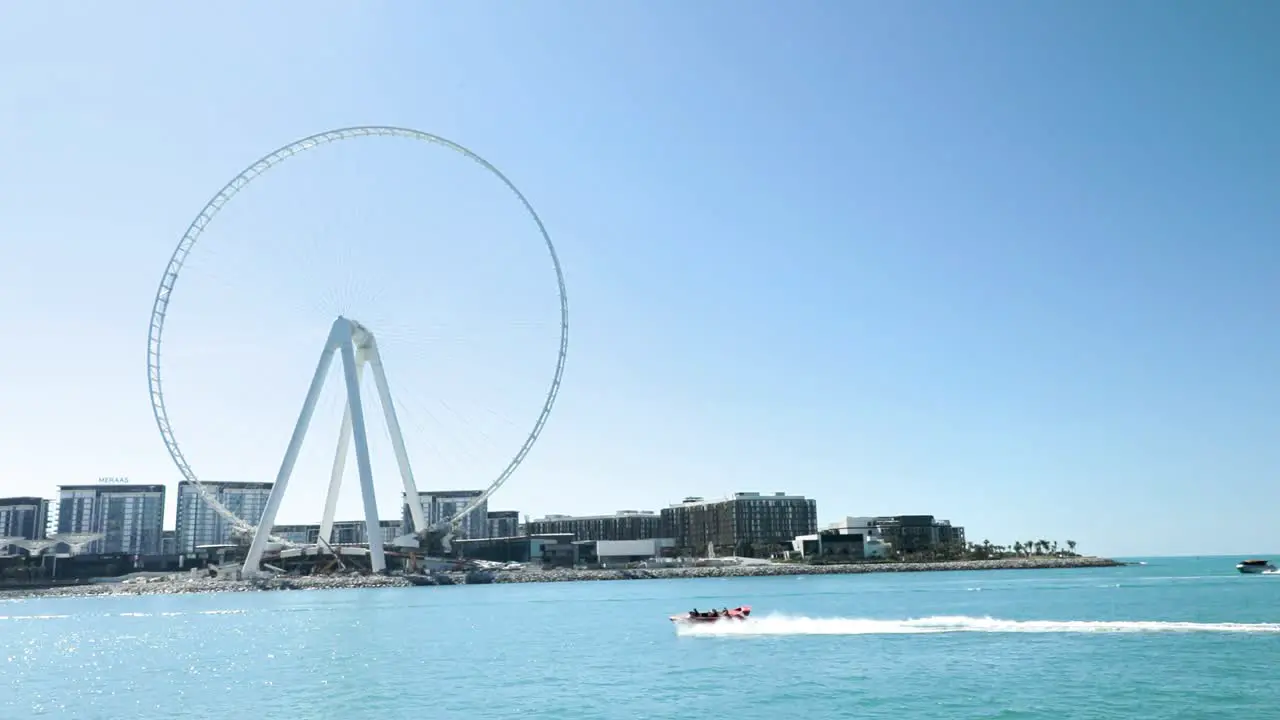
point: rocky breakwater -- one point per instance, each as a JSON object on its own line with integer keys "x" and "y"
{"x": 184, "y": 583}
{"x": 775, "y": 569}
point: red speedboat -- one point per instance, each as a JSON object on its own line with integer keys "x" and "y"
{"x": 711, "y": 616}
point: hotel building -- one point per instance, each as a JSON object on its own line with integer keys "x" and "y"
{"x": 130, "y": 517}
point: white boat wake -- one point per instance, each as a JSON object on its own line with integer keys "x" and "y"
{"x": 797, "y": 625}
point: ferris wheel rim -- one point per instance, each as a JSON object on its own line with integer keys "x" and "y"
{"x": 172, "y": 272}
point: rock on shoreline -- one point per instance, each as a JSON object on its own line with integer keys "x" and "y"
{"x": 182, "y": 583}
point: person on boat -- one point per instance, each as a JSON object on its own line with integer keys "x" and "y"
{"x": 694, "y": 613}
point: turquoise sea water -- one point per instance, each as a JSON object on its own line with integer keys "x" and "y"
{"x": 1175, "y": 638}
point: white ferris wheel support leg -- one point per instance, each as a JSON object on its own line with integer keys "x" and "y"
{"x": 397, "y": 438}
{"x": 339, "y": 463}
{"x": 339, "y": 334}
{"x": 377, "y": 556}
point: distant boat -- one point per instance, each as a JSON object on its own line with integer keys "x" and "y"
{"x": 1256, "y": 567}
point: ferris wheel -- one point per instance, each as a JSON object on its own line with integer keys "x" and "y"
{"x": 352, "y": 344}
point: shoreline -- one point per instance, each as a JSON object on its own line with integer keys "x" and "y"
{"x": 790, "y": 569}
{"x": 184, "y": 583}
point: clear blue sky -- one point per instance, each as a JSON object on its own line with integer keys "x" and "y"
{"x": 1013, "y": 264}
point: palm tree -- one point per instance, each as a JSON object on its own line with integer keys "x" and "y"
{"x": 1071, "y": 546}
{"x": 1017, "y": 547}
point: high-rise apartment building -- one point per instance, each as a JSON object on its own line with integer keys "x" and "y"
{"x": 198, "y": 524}
{"x": 130, "y": 517}
{"x": 439, "y": 506}
{"x": 23, "y": 517}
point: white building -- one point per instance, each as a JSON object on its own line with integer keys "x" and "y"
{"x": 130, "y": 517}
{"x": 622, "y": 551}
{"x": 850, "y": 525}
{"x": 873, "y": 545}
{"x": 198, "y": 524}
{"x": 439, "y": 506}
